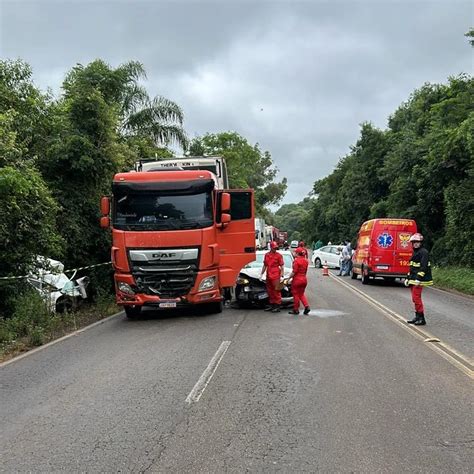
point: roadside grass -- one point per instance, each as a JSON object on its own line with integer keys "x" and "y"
{"x": 454, "y": 278}
{"x": 32, "y": 324}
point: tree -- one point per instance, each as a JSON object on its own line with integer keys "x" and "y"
{"x": 470, "y": 36}
{"x": 27, "y": 220}
{"x": 291, "y": 218}
{"x": 79, "y": 166}
{"x": 157, "y": 119}
{"x": 24, "y": 111}
{"x": 421, "y": 167}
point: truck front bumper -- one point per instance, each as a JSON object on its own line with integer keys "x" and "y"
{"x": 157, "y": 302}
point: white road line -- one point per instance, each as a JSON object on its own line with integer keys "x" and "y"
{"x": 206, "y": 376}
{"x": 63, "y": 338}
{"x": 454, "y": 357}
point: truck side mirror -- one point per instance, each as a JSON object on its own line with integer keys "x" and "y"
{"x": 105, "y": 206}
{"x": 105, "y": 222}
{"x": 225, "y": 202}
{"x": 225, "y": 219}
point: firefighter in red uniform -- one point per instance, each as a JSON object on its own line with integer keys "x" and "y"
{"x": 419, "y": 276}
{"x": 299, "y": 281}
{"x": 274, "y": 268}
{"x": 303, "y": 248}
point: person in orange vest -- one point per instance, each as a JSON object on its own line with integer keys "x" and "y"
{"x": 274, "y": 268}
{"x": 299, "y": 282}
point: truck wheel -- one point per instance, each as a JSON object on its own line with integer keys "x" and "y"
{"x": 132, "y": 312}
{"x": 215, "y": 308}
{"x": 317, "y": 263}
{"x": 365, "y": 277}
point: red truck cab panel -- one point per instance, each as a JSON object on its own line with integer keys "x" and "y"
{"x": 169, "y": 246}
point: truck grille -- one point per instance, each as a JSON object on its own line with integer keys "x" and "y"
{"x": 167, "y": 273}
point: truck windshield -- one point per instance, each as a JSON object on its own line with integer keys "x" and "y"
{"x": 158, "y": 211}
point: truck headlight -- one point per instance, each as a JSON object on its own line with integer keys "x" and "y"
{"x": 208, "y": 283}
{"x": 242, "y": 281}
{"x": 125, "y": 288}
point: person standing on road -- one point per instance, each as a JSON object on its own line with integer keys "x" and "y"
{"x": 418, "y": 277}
{"x": 299, "y": 282}
{"x": 347, "y": 256}
{"x": 274, "y": 268}
{"x": 302, "y": 248}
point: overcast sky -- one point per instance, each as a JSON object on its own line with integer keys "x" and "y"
{"x": 298, "y": 77}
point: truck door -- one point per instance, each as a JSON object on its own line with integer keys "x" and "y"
{"x": 235, "y": 239}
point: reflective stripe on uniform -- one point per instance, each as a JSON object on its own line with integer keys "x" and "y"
{"x": 420, "y": 283}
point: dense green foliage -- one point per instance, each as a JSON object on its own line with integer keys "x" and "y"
{"x": 455, "y": 278}
{"x": 291, "y": 217}
{"x": 421, "y": 167}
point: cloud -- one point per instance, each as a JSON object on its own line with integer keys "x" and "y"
{"x": 296, "y": 77}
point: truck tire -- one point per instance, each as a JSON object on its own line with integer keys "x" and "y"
{"x": 216, "y": 308}
{"x": 133, "y": 312}
{"x": 317, "y": 263}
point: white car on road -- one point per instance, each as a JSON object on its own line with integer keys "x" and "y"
{"x": 328, "y": 255}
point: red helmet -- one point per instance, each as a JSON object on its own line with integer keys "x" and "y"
{"x": 301, "y": 244}
{"x": 416, "y": 237}
{"x": 273, "y": 245}
{"x": 300, "y": 251}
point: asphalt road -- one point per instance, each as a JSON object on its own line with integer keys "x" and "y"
{"x": 344, "y": 389}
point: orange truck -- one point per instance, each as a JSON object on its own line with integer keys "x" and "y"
{"x": 383, "y": 249}
{"x": 177, "y": 239}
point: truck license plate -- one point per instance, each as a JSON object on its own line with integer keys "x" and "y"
{"x": 170, "y": 304}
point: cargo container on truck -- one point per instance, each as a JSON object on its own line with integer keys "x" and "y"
{"x": 260, "y": 237}
{"x": 214, "y": 164}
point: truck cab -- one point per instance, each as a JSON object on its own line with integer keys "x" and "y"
{"x": 177, "y": 239}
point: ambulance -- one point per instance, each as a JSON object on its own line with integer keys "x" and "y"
{"x": 383, "y": 249}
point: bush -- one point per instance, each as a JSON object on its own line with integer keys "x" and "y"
{"x": 30, "y": 319}
{"x": 456, "y": 278}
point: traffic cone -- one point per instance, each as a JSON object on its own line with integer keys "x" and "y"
{"x": 325, "y": 269}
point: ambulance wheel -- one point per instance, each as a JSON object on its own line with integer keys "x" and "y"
{"x": 133, "y": 312}
{"x": 365, "y": 277}
{"x": 317, "y": 263}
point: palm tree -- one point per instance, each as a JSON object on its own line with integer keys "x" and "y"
{"x": 158, "y": 119}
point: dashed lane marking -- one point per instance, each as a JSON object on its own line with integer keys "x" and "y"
{"x": 455, "y": 358}
{"x": 206, "y": 376}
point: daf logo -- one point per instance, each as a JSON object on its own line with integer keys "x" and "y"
{"x": 161, "y": 256}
